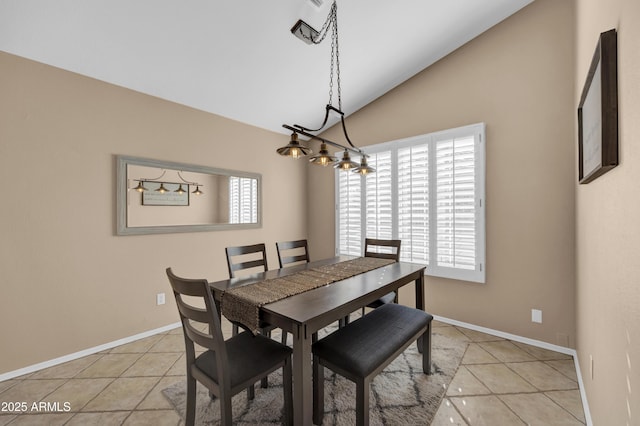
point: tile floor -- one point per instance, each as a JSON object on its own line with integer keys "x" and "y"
{"x": 499, "y": 382}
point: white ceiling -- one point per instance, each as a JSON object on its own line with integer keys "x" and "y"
{"x": 237, "y": 58}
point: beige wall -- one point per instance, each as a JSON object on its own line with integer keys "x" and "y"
{"x": 608, "y": 230}
{"x": 68, "y": 283}
{"x": 518, "y": 79}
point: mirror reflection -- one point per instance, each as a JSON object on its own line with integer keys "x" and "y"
{"x": 161, "y": 197}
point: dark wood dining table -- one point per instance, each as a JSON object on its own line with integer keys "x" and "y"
{"x": 304, "y": 314}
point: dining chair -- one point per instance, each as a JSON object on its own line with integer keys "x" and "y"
{"x": 296, "y": 251}
{"x": 253, "y": 256}
{"x": 383, "y": 249}
{"x": 225, "y": 367}
{"x": 250, "y": 257}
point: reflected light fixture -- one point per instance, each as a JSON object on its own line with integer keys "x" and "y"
{"x": 162, "y": 189}
{"x": 306, "y": 33}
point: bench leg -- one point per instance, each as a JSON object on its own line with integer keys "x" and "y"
{"x": 426, "y": 351}
{"x": 318, "y": 391}
{"x": 362, "y": 401}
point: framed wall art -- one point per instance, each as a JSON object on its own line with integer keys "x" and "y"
{"x": 598, "y": 112}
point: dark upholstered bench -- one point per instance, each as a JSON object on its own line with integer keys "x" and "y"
{"x": 362, "y": 349}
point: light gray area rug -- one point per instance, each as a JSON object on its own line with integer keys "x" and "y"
{"x": 401, "y": 395}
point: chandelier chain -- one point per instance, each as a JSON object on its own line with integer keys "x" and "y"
{"x": 332, "y": 23}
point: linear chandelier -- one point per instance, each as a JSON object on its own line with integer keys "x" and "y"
{"x": 294, "y": 149}
{"x": 162, "y": 189}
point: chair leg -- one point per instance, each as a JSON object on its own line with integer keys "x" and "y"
{"x": 284, "y": 337}
{"x": 362, "y": 402}
{"x": 426, "y": 350}
{"x": 191, "y": 401}
{"x": 226, "y": 416}
{"x": 251, "y": 392}
{"x": 234, "y": 329}
{"x": 288, "y": 392}
{"x": 318, "y": 391}
{"x": 264, "y": 383}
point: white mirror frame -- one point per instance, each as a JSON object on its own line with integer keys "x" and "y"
{"x": 121, "y": 197}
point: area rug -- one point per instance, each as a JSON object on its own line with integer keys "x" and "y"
{"x": 400, "y": 395}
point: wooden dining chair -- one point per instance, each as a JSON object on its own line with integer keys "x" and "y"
{"x": 226, "y": 367}
{"x": 252, "y": 257}
{"x": 292, "y": 252}
{"x": 382, "y": 249}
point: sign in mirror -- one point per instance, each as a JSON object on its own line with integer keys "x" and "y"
{"x": 156, "y": 196}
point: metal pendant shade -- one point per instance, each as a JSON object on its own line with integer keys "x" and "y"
{"x": 294, "y": 149}
{"x": 323, "y": 158}
{"x": 364, "y": 168}
{"x": 346, "y": 163}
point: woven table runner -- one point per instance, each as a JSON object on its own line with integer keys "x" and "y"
{"x": 243, "y": 304}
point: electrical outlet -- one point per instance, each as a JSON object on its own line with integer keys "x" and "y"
{"x": 160, "y": 299}
{"x": 536, "y": 316}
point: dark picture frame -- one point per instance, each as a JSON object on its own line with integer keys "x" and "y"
{"x": 598, "y": 112}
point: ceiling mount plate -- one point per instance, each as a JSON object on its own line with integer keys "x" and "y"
{"x": 304, "y": 32}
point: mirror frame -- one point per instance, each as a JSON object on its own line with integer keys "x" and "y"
{"x": 122, "y": 188}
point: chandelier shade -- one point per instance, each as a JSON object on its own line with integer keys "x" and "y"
{"x": 294, "y": 149}
{"x": 324, "y": 158}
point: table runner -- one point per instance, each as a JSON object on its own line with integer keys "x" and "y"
{"x": 243, "y": 304}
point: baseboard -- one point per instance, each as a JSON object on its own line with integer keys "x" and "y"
{"x": 532, "y": 342}
{"x": 90, "y": 351}
{"x": 583, "y": 393}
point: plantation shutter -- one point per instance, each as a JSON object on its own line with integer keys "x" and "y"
{"x": 413, "y": 203}
{"x": 456, "y": 199}
{"x": 378, "y": 199}
{"x": 349, "y": 214}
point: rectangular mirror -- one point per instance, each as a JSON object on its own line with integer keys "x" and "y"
{"x": 156, "y": 197}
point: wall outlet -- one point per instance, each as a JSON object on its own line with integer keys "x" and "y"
{"x": 536, "y": 316}
{"x": 160, "y": 299}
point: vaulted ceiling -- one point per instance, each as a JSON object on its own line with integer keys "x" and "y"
{"x": 238, "y": 58}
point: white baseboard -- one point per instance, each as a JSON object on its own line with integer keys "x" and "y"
{"x": 90, "y": 351}
{"x": 532, "y": 342}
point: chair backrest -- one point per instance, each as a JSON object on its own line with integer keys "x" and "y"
{"x": 369, "y": 243}
{"x": 244, "y": 263}
{"x": 194, "y": 318}
{"x": 299, "y": 252}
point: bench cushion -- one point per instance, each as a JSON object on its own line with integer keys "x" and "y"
{"x": 365, "y": 344}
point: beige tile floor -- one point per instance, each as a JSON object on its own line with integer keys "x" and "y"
{"x": 499, "y": 382}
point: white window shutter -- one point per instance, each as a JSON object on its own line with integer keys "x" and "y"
{"x": 455, "y": 187}
{"x": 413, "y": 203}
{"x": 349, "y": 213}
{"x": 378, "y": 198}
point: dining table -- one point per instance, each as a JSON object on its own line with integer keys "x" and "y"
{"x": 305, "y": 313}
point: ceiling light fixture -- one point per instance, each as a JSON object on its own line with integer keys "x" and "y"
{"x": 305, "y": 32}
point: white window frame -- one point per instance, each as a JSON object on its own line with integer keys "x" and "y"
{"x": 433, "y": 269}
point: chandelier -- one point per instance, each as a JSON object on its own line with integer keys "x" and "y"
{"x": 294, "y": 148}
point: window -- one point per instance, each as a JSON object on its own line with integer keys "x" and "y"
{"x": 243, "y": 200}
{"x": 428, "y": 191}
